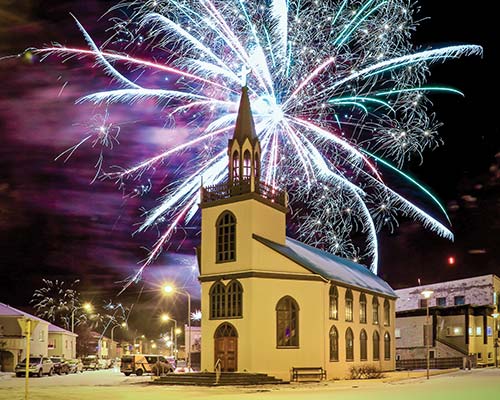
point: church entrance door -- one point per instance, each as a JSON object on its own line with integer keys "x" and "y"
{"x": 226, "y": 347}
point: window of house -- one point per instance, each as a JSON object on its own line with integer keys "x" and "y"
{"x": 489, "y": 331}
{"x": 362, "y": 308}
{"x": 334, "y": 303}
{"x": 51, "y": 344}
{"x": 397, "y": 333}
{"x": 334, "y": 344}
{"x": 363, "y": 345}
{"x": 226, "y": 237}
{"x": 349, "y": 345}
{"x": 256, "y": 165}
{"x": 376, "y": 346}
{"x": 387, "y": 346}
{"x": 41, "y": 336}
{"x": 348, "y": 305}
{"x": 441, "y": 301}
{"x": 387, "y": 313}
{"x": 217, "y": 300}
{"x": 423, "y": 303}
{"x": 480, "y": 355}
{"x": 375, "y": 309}
{"x": 479, "y": 331}
{"x": 459, "y": 300}
{"x": 287, "y": 323}
{"x": 471, "y": 331}
{"x": 234, "y": 299}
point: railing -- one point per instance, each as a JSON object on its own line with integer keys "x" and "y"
{"x": 217, "y": 368}
{"x": 226, "y": 190}
{"x": 435, "y": 363}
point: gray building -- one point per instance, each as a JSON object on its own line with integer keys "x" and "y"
{"x": 463, "y": 317}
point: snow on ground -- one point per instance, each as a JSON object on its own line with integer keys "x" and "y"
{"x": 481, "y": 384}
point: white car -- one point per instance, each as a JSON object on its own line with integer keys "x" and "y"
{"x": 38, "y": 366}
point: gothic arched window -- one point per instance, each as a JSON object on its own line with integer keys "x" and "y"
{"x": 376, "y": 346}
{"x": 234, "y": 299}
{"x": 217, "y": 300}
{"x": 247, "y": 165}
{"x": 256, "y": 165}
{"x": 334, "y": 303}
{"x": 362, "y": 308}
{"x": 375, "y": 310}
{"x": 236, "y": 166}
{"x": 387, "y": 312}
{"x": 287, "y": 323}
{"x": 348, "y": 305}
{"x": 226, "y": 237}
{"x": 363, "y": 345}
{"x": 334, "y": 344}
{"x": 387, "y": 346}
{"x": 349, "y": 345}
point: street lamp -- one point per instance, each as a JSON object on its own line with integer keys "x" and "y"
{"x": 137, "y": 345}
{"x": 495, "y": 337}
{"x": 86, "y": 306}
{"x": 122, "y": 325}
{"x": 166, "y": 318}
{"x": 427, "y": 293}
{"x": 169, "y": 289}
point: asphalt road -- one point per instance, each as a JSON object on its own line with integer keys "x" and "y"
{"x": 111, "y": 385}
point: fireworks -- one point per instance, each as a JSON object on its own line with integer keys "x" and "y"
{"x": 338, "y": 96}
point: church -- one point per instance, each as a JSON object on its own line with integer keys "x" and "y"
{"x": 271, "y": 303}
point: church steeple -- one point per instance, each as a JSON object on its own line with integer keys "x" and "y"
{"x": 244, "y": 148}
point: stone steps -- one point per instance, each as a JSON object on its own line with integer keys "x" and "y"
{"x": 209, "y": 378}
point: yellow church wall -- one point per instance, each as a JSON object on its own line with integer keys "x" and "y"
{"x": 252, "y": 217}
{"x": 257, "y": 351}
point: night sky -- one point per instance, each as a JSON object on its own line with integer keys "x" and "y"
{"x": 55, "y": 223}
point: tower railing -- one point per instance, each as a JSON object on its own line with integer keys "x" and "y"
{"x": 227, "y": 190}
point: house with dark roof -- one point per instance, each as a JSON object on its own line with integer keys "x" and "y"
{"x": 271, "y": 303}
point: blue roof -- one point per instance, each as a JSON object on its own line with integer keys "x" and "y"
{"x": 330, "y": 266}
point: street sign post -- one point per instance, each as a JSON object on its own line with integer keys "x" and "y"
{"x": 27, "y": 327}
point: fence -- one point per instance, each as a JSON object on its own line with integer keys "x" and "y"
{"x": 434, "y": 363}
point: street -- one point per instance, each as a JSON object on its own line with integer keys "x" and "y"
{"x": 110, "y": 384}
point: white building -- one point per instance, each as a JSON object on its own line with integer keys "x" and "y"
{"x": 61, "y": 342}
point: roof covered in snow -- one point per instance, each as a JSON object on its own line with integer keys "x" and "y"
{"x": 329, "y": 266}
{"x": 6, "y": 310}
{"x": 57, "y": 329}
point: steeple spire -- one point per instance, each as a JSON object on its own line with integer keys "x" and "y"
{"x": 244, "y": 122}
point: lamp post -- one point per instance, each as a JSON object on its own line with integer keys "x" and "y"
{"x": 495, "y": 337}
{"x": 166, "y": 318}
{"x": 427, "y": 295}
{"x": 139, "y": 337}
{"x": 122, "y": 325}
{"x": 86, "y": 306}
{"x": 168, "y": 289}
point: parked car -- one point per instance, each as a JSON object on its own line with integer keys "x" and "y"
{"x": 103, "y": 363}
{"x": 144, "y": 363}
{"x": 37, "y": 366}
{"x": 90, "y": 362}
{"x": 61, "y": 366}
{"x": 75, "y": 366}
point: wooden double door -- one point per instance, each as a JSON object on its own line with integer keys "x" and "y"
{"x": 226, "y": 347}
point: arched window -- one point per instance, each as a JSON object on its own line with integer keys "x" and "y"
{"x": 334, "y": 303}
{"x": 256, "y": 165}
{"x": 376, "y": 346}
{"x": 217, "y": 300}
{"x": 387, "y": 312}
{"x": 236, "y": 166}
{"x": 225, "y": 330}
{"x": 226, "y": 237}
{"x": 375, "y": 310}
{"x": 349, "y": 345}
{"x": 287, "y": 323}
{"x": 387, "y": 346}
{"x": 247, "y": 165}
{"x": 334, "y": 344}
{"x": 362, "y": 308}
{"x": 348, "y": 305}
{"x": 363, "y": 345}
{"x": 234, "y": 299}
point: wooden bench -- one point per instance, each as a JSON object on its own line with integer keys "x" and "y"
{"x": 308, "y": 373}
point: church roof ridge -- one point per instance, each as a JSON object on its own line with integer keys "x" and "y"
{"x": 330, "y": 266}
{"x": 245, "y": 127}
